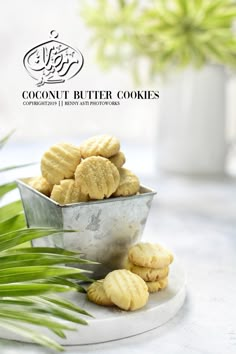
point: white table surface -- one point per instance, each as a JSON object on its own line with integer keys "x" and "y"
{"x": 197, "y": 220}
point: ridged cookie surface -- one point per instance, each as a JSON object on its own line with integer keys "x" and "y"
{"x": 154, "y": 286}
{"x": 118, "y": 159}
{"x": 97, "y": 177}
{"x": 96, "y": 294}
{"x": 41, "y": 185}
{"x": 66, "y": 193}
{"x": 126, "y": 290}
{"x": 150, "y": 255}
{"x": 100, "y": 145}
{"x": 60, "y": 162}
{"x": 129, "y": 183}
{"x": 147, "y": 274}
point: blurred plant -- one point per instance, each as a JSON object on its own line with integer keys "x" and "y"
{"x": 169, "y": 33}
{"x": 29, "y": 274}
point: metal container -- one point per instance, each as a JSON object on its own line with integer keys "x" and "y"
{"x": 106, "y": 228}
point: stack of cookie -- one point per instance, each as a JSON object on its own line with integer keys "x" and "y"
{"x": 92, "y": 171}
{"x": 151, "y": 262}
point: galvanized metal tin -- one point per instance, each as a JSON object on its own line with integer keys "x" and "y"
{"x": 106, "y": 228}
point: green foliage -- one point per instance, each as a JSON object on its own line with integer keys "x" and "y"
{"x": 169, "y": 33}
{"x": 30, "y": 277}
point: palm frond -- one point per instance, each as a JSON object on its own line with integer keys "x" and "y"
{"x": 10, "y": 210}
{"x": 5, "y": 139}
{"x": 17, "y": 237}
{"x": 34, "y": 336}
{"x": 7, "y": 187}
{"x": 30, "y": 277}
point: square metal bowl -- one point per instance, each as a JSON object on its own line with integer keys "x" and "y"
{"x": 106, "y": 228}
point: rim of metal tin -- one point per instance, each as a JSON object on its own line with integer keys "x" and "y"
{"x": 146, "y": 191}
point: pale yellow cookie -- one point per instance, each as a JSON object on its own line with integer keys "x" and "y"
{"x": 147, "y": 274}
{"x": 150, "y": 255}
{"x": 41, "y": 185}
{"x": 118, "y": 159}
{"x": 97, "y": 177}
{"x": 100, "y": 145}
{"x": 96, "y": 294}
{"x": 154, "y": 286}
{"x": 129, "y": 183}
{"x": 66, "y": 193}
{"x": 60, "y": 162}
{"x": 126, "y": 290}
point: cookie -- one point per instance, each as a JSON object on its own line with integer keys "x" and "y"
{"x": 100, "y": 145}
{"x": 66, "y": 193}
{"x": 126, "y": 290}
{"x": 147, "y": 274}
{"x": 150, "y": 255}
{"x": 129, "y": 183}
{"x": 41, "y": 185}
{"x": 97, "y": 177}
{"x": 118, "y": 159}
{"x": 154, "y": 286}
{"x": 96, "y": 294}
{"x": 60, "y": 162}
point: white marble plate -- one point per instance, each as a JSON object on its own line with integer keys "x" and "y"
{"x": 111, "y": 323}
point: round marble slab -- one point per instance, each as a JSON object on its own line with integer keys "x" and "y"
{"x": 112, "y": 324}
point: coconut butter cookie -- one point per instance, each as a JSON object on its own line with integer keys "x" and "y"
{"x": 150, "y": 255}
{"x": 100, "y": 145}
{"x": 147, "y": 274}
{"x": 129, "y": 183}
{"x": 96, "y": 294}
{"x": 154, "y": 286}
{"x": 126, "y": 290}
{"x": 60, "y": 162}
{"x": 118, "y": 159}
{"x": 41, "y": 185}
{"x": 66, "y": 193}
{"x": 97, "y": 177}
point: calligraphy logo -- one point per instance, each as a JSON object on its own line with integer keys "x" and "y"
{"x": 53, "y": 62}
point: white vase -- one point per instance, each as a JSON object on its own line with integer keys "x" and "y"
{"x": 192, "y": 122}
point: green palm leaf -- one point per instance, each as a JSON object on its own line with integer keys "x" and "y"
{"x": 26, "y": 332}
{"x": 5, "y": 188}
{"x": 10, "y": 210}
{"x": 24, "y": 259}
{"x": 29, "y": 274}
{"x": 17, "y": 237}
{"x": 5, "y": 139}
{"x": 14, "y": 223}
{"x": 29, "y": 289}
{"x": 34, "y": 273}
